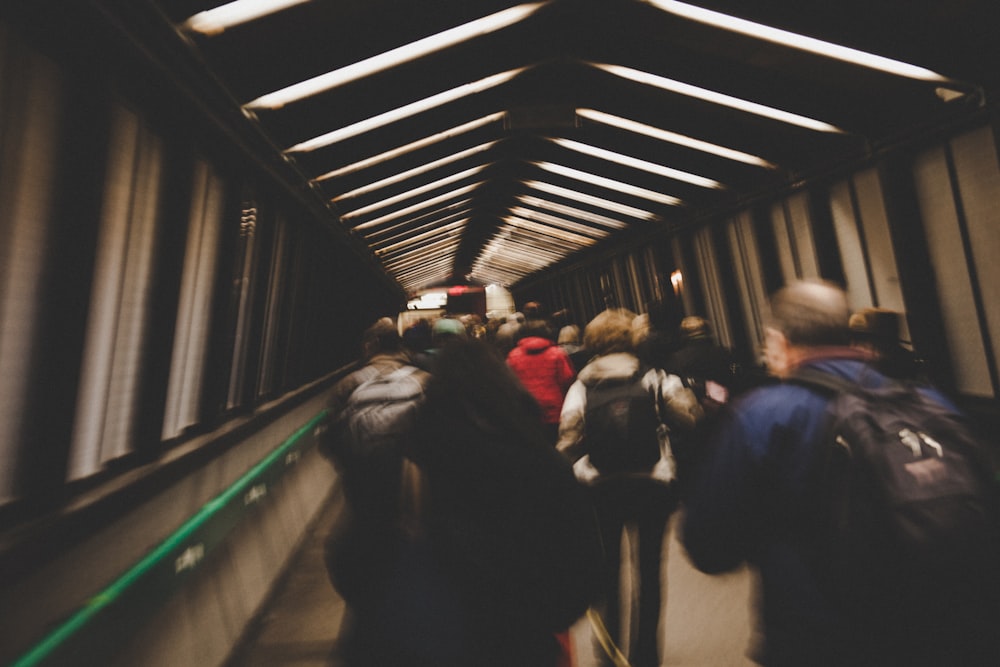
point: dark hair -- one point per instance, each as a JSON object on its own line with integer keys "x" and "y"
{"x": 811, "y": 314}
{"x": 473, "y": 395}
{"x": 381, "y": 337}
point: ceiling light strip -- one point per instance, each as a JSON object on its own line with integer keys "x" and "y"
{"x": 499, "y": 252}
{"x": 415, "y": 192}
{"x": 445, "y": 223}
{"x": 431, "y": 253}
{"x": 797, "y": 41}
{"x": 219, "y": 19}
{"x": 598, "y": 202}
{"x": 609, "y": 183}
{"x": 397, "y": 56}
{"x": 406, "y": 111}
{"x": 439, "y": 214}
{"x": 379, "y": 236}
{"x": 714, "y": 97}
{"x": 413, "y": 146}
{"x": 543, "y": 231}
{"x": 674, "y": 138}
{"x": 416, "y": 171}
{"x": 636, "y": 163}
{"x": 418, "y": 238}
{"x": 556, "y": 221}
{"x": 417, "y": 207}
{"x": 577, "y": 213}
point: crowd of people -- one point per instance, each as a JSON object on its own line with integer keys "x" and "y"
{"x": 490, "y": 487}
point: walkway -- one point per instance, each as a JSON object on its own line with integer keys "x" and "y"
{"x": 708, "y": 619}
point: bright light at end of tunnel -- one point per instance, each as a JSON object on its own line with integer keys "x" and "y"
{"x": 215, "y": 21}
{"x": 796, "y": 41}
{"x": 396, "y": 57}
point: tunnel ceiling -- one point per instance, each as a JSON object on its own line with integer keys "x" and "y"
{"x": 485, "y": 140}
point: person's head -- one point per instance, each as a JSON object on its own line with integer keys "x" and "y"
{"x": 446, "y": 329}
{"x": 381, "y": 338}
{"x": 533, "y": 311}
{"x": 694, "y": 328}
{"x": 876, "y": 329}
{"x": 569, "y": 335}
{"x": 609, "y": 332}
{"x": 641, "y": 330}
{"x": 536, "y": 329}
{"x": 417, "y": 336}
{"x": 804, "y": 315}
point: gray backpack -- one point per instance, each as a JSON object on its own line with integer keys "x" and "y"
{"x": 380, "y": 413}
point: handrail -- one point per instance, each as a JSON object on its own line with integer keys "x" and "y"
{"x": 155, "y": 577}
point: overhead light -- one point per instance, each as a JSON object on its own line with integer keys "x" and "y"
{"x": 215, "y": 21}
{"x": 556, "y": 221}
{"x": 406, "y": 175}
{"x": 410, "y": 194}
{"x": 427, "y": 203}
{"x": 379, "y": 237}
{"x": 429, "y": 252}
{"x": 584, "y": 198}
{"x": 722, "y": 99}
{"x": 544, "y": 230}
{"x": 410, "y": 147}
{"x": 416, "y": 238}
{"x": 580, "y": 214}
{"x": 609, "y": 183}
{"x": 406, "y": 111}
{"x": 395, "y": 57}
{"x": 435, "y": 213}
{"x": 674, "y": 138}
{"x": 796, "y": 41}
{"x": 636, "y": 163}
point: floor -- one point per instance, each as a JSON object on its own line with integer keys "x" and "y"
{"x": 707, "y": 622}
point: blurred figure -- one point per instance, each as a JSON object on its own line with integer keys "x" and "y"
{"x": 372, "y": 414}
{"x": 507, "y": 334}
{"x": 506, "y": 520}
{"x": 615, "y": 425}
{"x": 545, "y": 371}
{"x": 416, "y": 342}
{"x": 878, "y": 331}
{"x": 709, "y": 369}
{"x": 569, "y": 341}
{"x": 769, "y": 496}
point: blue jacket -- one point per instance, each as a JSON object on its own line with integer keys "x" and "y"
{"x": 753, "y": 503}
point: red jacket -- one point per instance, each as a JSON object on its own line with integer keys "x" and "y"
{"x": 545, "y": 371}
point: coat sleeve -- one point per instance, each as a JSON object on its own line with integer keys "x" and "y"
{"x": 571, "y": 422}
{"x": 680, "y": 405}
{"x": 718, "y": 522}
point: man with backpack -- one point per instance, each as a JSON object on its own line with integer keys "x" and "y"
{"x": 615, "y": 425}
{"x": 866, "y": 506}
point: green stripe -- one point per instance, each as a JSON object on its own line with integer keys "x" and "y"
{"x": 170, "y": 546}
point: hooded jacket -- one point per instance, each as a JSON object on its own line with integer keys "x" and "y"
{"x": 545, "y": 371}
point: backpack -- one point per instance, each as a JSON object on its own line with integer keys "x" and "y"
{"x": 910, "y": 528}
{"x": 621, "y": 425}
{"x": 380, "y": 412}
